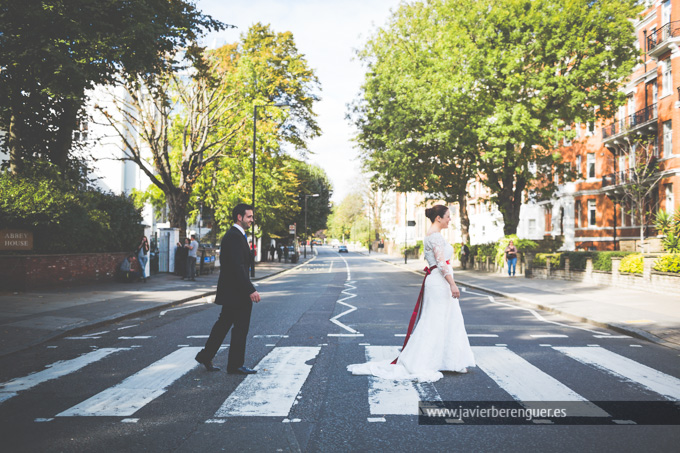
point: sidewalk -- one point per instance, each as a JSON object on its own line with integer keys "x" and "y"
{"x": 34, "y": 317}
{"x": 653, "y": 317}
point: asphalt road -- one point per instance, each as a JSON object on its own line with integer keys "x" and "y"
{"x": 133, "y": 386}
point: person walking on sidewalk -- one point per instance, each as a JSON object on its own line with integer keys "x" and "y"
{"x": 235, "y": 293}
{"x": 191, "y": 259}
{"x": 143, "y": 255}
{"x": 511, "y": 258}
{"x": 464, "y": 255}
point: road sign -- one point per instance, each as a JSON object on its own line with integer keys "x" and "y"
{"x": 291, "y": 229}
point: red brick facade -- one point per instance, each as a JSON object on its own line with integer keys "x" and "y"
{"x": 36, "y": 271}
{"x": 600, "y": 153}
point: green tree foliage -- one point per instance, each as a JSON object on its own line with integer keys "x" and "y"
{"x": 52, "y": 52}
{"x": 501, "y": 81}
{"x": 411, "y": 130}
{"x": 67, "y": 219}
{"x": 312, "y": 179}
{"x": 265, "y": 67}
{"x": 347, "y": 216}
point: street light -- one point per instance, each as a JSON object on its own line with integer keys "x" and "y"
{"x": 252, "y": 227}
{"x": 306, "y": 234}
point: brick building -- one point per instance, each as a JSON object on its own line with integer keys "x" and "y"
{"x": 604, "y": 154}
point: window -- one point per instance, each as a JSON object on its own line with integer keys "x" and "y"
{"x": 670, "y": 202}
{"x": 622, "y": 164}
{"x": 666, "y": 12}
{"x": 591, "y": 128}
{"x": 577, "y": 213}
{"x": 666, "y": 78}
{"x": 623, "y": 216}
{"x": 532, "y": 227}
{"x": 533, "y": 168}
{"x": 578, "y": 165}
{"x": 667, "y": 139}
{"x": 590, "y": 165}
{"x": 592, "y": 221}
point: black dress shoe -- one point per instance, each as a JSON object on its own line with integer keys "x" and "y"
{"x": 242, "y": 370}
{"x": 207, "y": 364}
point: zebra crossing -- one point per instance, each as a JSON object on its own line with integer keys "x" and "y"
{"x": 284, "y": 371}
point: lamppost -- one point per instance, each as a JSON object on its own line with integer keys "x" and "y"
{"x": 306, "y": 234}
{"x": 252, "y": 227}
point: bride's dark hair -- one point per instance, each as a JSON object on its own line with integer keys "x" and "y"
{"x": 435, "y": 211}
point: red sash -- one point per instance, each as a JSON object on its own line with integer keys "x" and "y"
{"x": 417, "y": 310}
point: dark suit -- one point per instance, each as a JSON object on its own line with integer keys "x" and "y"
{"x": 233, "y": 294}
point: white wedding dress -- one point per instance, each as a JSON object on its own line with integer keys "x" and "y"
{"x": 439, "y": 341}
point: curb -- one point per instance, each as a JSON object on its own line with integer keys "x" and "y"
{"x": 619, "y": 328}
{"x": 131, "y": 314}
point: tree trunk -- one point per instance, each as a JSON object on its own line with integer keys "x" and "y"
{"x": 464, "y": 217}
{"x": 177, "y": 206}
{"x": 67, "y": 123}
{"x": 15, "y": 157}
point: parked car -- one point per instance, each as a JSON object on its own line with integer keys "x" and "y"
{"x": 342, "y": 249}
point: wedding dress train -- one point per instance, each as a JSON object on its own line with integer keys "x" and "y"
{"x": 439, "y": 341}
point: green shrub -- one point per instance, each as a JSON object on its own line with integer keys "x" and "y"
{"x": 481, "y": 251}
{"x": 603, "y": 260}
{"x": 632, "y": 264}
{"x": 668, "y": 225}
{"x": 668, "y": 263}
{"x": 68, "y": 219}
{"x": 541, "y": 258}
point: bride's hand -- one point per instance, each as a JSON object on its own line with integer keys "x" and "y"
{"x": 455, "y": 292}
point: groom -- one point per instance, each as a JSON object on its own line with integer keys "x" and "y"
{"x": 235, "y": 293}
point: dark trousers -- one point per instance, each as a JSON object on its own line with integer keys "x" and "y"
{"x": 239, "y": 317}
{"x": 191, "y": 267}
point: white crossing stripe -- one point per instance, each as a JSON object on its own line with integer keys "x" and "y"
{"x": 272, "y": 391}
{"x": 53, "y": 371}
{"x": 139, "y": 389}
{"x": 526, "y": 383}
{"x": 387, "y": 397}
{"x": 625, "y": 368}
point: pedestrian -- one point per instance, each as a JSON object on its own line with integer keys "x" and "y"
{"x": 126, "y": 272}
{"x": 143, "y": 255}
{"x": 192, "y": 248}
{"x": 511, "y": 258}
{"x": 279, "y": 252}
{"x": 439, "y": 341}
{"x": 272, "y": 250}
{"x": 181, "y": 253}
{"x": 464, "y": 254}
{"x": 235, "y": 293}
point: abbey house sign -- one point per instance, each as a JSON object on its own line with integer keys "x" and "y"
{"x": 16, "y": 240}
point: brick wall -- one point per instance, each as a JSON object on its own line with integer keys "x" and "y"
{"x": 41, "y": 271}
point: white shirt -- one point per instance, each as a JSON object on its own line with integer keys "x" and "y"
{"x": 240, "y": 228}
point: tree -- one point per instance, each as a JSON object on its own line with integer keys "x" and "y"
{"x": 312, "y": 179}
{"x": 490, "y": 90}
{"x": 345, "y": 216}
{"x": 413, "y": 133}
{"x": 266, "y": 67}
{"x": 539, "y": 67}
{"x": 185, "y": 122}
{"x": 640, "y": 181}
{"x": 52, "y": 52}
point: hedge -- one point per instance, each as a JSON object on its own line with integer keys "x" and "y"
{"x": 67, "y": 219}
{"x": 632, "y": 264}
{"x": 541, "y": 258}
{"x": 668, "y": 263}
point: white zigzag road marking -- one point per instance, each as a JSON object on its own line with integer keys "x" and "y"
{"x": 334, "y": 319}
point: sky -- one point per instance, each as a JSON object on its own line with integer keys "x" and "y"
{"x": 327, "y": 32}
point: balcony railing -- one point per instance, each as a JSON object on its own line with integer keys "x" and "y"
{"x": 629, "y": 122}
{"x": 667, "y": 31}
{"x": 618, "y": 178}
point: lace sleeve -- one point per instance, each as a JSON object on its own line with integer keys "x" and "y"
{"x": 439, "y": 251}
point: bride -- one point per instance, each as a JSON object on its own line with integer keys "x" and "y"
{"x": 439, "y": 341}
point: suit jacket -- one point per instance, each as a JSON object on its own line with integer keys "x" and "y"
{"x": 234, "y": 286}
